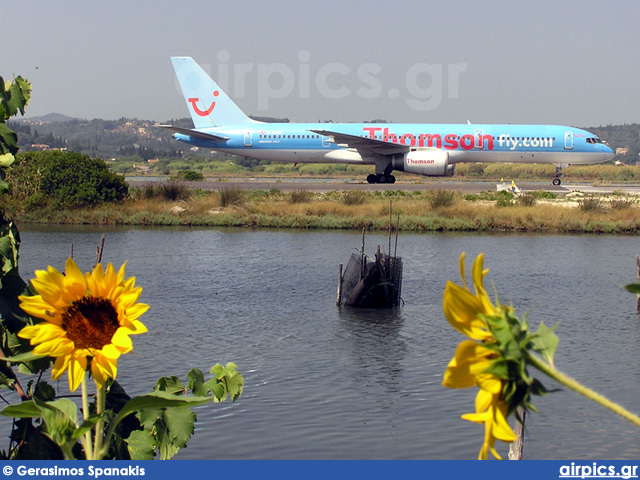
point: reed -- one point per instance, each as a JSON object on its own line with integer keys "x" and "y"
{"x": 300, "y": 196}
{"x": 229, "y": 196}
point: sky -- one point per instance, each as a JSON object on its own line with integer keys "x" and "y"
{"x": 541, "y": 62}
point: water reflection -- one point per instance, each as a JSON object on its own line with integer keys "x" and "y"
{"x": 373, "y": 338}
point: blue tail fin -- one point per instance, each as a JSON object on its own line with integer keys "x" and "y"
{"x": 208, "y": 105}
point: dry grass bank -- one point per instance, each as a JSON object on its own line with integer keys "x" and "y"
{"x": 418, "y": 211}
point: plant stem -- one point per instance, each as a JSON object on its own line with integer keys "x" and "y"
{"x": 100, "y": 404}
{"x": 582, "y": 390}
{"x": 88, "y": 449}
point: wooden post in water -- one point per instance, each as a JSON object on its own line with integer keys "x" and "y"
{"x": 100, "y": 251}
{"x": 638, "y": 279}
{"x": 362, "y": 262}
{"x": 388, "y": 265}
{"x": 339, "y": 298}
{"x": 517, "y": 446}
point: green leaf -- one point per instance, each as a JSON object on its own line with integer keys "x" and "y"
{"x": 8, "y": 140}
{"x": 633, "y": 287}
{"x": 15, "y": 97}
{"x": 59, "y": 416}
{"x": 149, "y": 416}
{"x": 86, "y": 426}
{"x": 180, "y": 423}
{"x": 171, "y": 385}
{"x": 544, "y": 342}
{"x": 498, "y": 368}
{"x": 25, "y": 91}
{"x": 227, "y": 377}
{"x": 217, "y": 388}
{"x": 44, "y": 391}
{"x": 196, "y": 382}
{"x": 22, "y": 357}
{"x": 174, "y": 431}
{"x": 166, "y": 447}
{"x": 26, "y": 409}
{"x": 7, "y": 376}
{"x": 64, "y": 406}
{"x": 158, "y": 400}
{"x": 141, "y": 445}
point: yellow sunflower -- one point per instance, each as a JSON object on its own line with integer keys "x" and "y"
{"x": 85, "y": 316}
{"x": 465, "y": 311}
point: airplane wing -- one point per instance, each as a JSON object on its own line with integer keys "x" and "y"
{"x": 364, "y": 144}
{"x": 195, "y": 133}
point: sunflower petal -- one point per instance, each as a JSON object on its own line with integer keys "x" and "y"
{"x": 35, "y": 306}
{"x": 77, "y": 369}
{"x": 469, "y": 358}
{"x": 54, "y": 348}
{"x": 43, "y": 332}
{"x": 461, "y": 265}
{"x": 60, "y": 366}
{"x": 103, "y": 368}
{"x": 501, "y": 428}
{"x": 122, "y": 341}
{"x": 74, "y": 281}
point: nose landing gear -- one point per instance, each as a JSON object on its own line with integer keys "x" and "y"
{"x": 557, "y": 181}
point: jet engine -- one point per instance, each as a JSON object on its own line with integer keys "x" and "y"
{"x": 430, "y": 162}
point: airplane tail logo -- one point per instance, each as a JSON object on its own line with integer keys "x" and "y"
{"x": 203, "y": 113}
{"x": 208, "y": 105}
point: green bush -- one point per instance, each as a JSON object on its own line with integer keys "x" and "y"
{"x": 542, "y": 194}
{"x": 189, "y": 176}
{"x": 61, "y": 180}
{"x": 504, "y": 199}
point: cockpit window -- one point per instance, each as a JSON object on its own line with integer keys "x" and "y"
{"x": 593, "y": 140}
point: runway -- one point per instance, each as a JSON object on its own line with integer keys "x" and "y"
{"x": 321, "y": 185}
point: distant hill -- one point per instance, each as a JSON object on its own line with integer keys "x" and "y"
{"x": 48, "y": 118}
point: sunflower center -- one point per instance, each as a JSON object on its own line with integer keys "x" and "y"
{"x": 91, "y": 322}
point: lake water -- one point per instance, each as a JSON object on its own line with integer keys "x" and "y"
{"x": 329, "y": 383}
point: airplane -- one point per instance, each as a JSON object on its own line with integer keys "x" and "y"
{"x": 425, "y": 149}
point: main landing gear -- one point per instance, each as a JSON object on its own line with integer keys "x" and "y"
{"x": 557, "y": 181}
{"x": 381, "y": 178}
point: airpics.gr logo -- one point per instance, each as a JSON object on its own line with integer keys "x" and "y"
{"x": 203, "y": 113}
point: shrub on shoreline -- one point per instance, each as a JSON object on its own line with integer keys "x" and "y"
{"x": 60, "y": 180}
